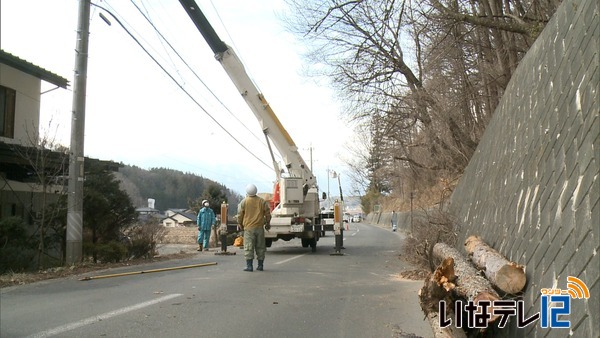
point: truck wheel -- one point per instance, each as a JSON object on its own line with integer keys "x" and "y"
{"x": 268, "y": 242}
{"x": 305, "y": 242}
{"x": 313, "y": 244}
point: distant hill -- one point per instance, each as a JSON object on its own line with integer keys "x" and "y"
{"x": 169, "y": 188}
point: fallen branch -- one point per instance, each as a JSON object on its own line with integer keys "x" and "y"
{"x": 506, "y": 275}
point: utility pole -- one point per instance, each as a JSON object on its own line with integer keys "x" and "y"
{"x": 328, "y": 195}
{"x": 74, "y": 247}
{"x": 311, "y": 162}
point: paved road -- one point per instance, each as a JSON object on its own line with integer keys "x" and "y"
{"x": 300, "y": 294}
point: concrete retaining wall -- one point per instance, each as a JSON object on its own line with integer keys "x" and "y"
{"x": 405, "y": 219}
{"x": 531, "y": 189}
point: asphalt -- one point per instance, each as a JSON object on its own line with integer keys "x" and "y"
{"x": 169, "y": 249}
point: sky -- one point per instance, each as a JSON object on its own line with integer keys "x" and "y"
{"x": 137, "y": 115}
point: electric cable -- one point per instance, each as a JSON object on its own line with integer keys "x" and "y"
{"x": 160, "y": 35}
{"x": 195, "y": 74}
{"x": 181, "y": 87}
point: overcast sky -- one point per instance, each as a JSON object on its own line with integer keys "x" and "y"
{"x": 137, "y": 115}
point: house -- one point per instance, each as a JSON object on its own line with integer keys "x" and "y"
{"x": 20, "y": 86}
{"x": 149, "y": 213}
{"x": 179, "y": 218}
{"x": 22, "y": 193}
{"x": 169, "y": 222}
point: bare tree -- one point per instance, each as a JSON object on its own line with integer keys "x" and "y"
{"x": 427, "y": 75}
{"x": 357, "y": 157}
{"x": 47, "y": 162}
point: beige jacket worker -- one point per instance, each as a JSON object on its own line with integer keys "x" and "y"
{"x": 254, "y": 212}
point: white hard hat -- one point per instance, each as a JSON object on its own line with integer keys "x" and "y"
{"x": 204, "y": 201}
{"x": 251, "y": 190}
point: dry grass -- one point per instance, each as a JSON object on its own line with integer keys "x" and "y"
{"x": 424, "y": 198}
{"x": 438, "y": 227}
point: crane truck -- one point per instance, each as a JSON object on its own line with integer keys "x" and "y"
{"x": 295, "y": 202}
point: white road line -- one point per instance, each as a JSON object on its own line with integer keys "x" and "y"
{"x": 72, "y": 326}
{"x": 289, "y": 259}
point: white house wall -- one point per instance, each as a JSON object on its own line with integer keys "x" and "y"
{"x": 181, "y": 219}
{"x": 27, "y": 105}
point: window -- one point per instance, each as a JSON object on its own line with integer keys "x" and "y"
{"x": 7, "y": 112}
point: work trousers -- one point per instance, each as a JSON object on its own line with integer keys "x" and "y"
{"x": 203, "y": 237}
{"x": 254, "y": 241}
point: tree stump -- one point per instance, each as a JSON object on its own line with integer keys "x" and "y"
{"x": 505, "y": 275}
{"x": 437, "y": 288}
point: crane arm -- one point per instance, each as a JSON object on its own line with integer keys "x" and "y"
{"x": 272, "y": 127}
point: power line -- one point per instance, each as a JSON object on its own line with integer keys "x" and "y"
{"x": 161, "y": 41}
{"x": 193, "y": 72}
{"x": 181, "y": 87}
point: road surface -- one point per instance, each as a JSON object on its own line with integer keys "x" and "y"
{"x": 300, "y": 294}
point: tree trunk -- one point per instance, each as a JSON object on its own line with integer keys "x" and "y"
{"x": 469, "y": 284}
{"x": 444, "y": 332}
{"x": 437, "y": 288}
{"x": 506, "y": 275}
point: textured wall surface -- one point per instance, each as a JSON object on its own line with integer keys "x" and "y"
{"x": 181, "y": 235}
{"x": 405, "y": 219}
{"x": 531, "y": 190}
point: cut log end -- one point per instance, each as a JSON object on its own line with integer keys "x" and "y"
{"x": 471, "y": 242}
{"x": 511, "y": 279}
{"x": 491, "y": 298}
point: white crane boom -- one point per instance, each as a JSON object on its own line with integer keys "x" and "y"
{"x": 295, "y": 201}
{"x": 270, "y": 124}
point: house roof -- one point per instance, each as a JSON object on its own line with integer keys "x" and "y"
{"x": 16, "y": 161}
{"x": 190, "y": 216}
{"x": 31, "y": 69}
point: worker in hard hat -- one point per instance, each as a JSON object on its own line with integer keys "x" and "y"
{"x": 254, "y": 216}
{"x": 206, "y": 219}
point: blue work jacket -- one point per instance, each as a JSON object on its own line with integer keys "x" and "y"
{"x": 206, "y": 219}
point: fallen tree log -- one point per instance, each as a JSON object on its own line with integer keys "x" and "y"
{"x": 469, "y": 283}
{"x": 444, "y": 332}
{"x": 437, "y": 288}
{"x": 506, "y": 275}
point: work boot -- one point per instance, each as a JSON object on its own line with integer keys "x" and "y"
{"x": 199, "y": 247}
{"x": 248, "y": 265}
{"x": 260, "y": 265}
